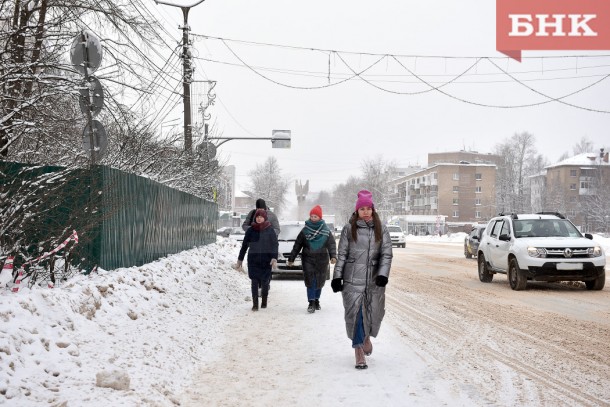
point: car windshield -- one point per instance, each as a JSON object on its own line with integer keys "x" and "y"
{"x": 545, "y": 228}
{"x": 395, "y": 229}
{"x": 289, "y": 232}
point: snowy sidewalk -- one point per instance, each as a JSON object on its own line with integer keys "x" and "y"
{"x": 284, "y": 356}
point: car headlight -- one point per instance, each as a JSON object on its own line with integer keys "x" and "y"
{"x": 536, "y": 251}
{"x": 594, "y": 251}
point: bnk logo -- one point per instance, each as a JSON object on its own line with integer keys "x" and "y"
{"x": 551, "y": 25}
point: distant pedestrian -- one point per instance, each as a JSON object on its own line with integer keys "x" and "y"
{"x": 317, "y": 242}
{"x": 261, "y": 244}
{"x": 364, "y": 258}
{"x": 261, "y": 204}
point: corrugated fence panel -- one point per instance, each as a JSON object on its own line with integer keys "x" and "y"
{"x": 145, "y": 220}
{"x": 138, "y": 220}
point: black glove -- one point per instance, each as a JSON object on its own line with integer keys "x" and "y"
{"x": 337, "y": 285}
{"x": 381, "y": 281}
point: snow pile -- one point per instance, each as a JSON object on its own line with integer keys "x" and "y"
{"x": 132, "y": 335}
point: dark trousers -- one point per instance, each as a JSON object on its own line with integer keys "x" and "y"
{"x": 260, "y": 283}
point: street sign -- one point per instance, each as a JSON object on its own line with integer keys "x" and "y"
{"x": 207, "y": 149}
{"x": 95, "y": 95}
{"x": 280, "y": 138}
{"x": 100, "y": 140}
{"x": 86, "y": 50}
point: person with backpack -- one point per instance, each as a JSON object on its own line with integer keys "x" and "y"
{"x": 317, "y": 242}
{"x": 260, "y": 204}
{"x": 364, "y": 258}
{"x": 261, "y": 244}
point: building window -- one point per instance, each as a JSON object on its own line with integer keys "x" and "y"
{"x": 434, "y": 175}
{"x": 456, "y": 176}
{"x": 478, "y": 176}
{"x": 456, "y": 188}
{"x": 477, "y": 201}
{"x": 573, "y": 173}
{"x": 573, "y": 199}
{"x": 478, "y": 190}
{"x": 477, "y": 214}
{"x": 456, "y": 214}
{"x": 456, "y": 201}
{"x": 583, "y": 185}
{"x": 572, "y": 187}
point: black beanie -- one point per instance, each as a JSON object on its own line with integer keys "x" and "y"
{"x": 260, "y": 204}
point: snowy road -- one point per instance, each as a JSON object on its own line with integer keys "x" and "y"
{"x": 447, "y": 339}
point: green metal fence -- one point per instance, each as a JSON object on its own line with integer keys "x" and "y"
{"x": 122, "y": 219}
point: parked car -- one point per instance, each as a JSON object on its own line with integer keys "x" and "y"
{"x": 471, "y": 241}
{"x": 224, "y": 231}
{"x": 338, "y": 231}
{"x": 238, "y": 234}
{"x": 397, "y": 236}
{"x": 289, "y": 230}
{"x": 539, "y": 247}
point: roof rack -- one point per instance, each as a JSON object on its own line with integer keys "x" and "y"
{"x": 511, "y": 214}
{"x": 559, "y": 215}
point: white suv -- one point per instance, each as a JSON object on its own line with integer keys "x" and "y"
{"x": 541, "y": 247}
{"x": 397, "y": 236}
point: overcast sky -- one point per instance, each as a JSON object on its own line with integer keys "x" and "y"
{"x": 297, "y": 83}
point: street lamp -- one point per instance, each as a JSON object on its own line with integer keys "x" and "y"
{"x": 279, "y": 139}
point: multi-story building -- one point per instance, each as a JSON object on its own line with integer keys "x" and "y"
{"x": 578, "y": 187}
{"x": 458, "y": 187}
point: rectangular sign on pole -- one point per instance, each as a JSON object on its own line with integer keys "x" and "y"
{"x": 280, "y": 138}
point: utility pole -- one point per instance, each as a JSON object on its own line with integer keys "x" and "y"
{"x": 187, "y": 73}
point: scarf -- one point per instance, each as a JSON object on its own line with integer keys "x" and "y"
{"x": 316, "y": 233}
{"x": 261, "y": 226}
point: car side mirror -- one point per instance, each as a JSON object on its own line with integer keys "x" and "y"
{"x": 504, "y": 238}
{"x": 589, "y": 236}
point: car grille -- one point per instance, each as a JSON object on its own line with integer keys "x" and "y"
{"x": 567, "y": 253}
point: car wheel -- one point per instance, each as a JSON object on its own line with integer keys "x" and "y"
{"x": 598, "y": 283}
{"x": 404, "y": 245}
{"x": 484, "y": 275}
{"x": 516, "y": 277}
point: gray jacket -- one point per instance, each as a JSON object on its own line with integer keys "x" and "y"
{"x": 271, "y": 217}
{"x": 358, "y": 263}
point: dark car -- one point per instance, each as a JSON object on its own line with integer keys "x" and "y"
{"x": 471, "y": 242}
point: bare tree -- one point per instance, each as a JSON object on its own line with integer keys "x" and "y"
{"x": 344, "y": 199}
{"x": 520, "y": 161}
{"x": 583, "y": 146}
{"x": 267, "y": 182}
{"x": 40, "y": 88}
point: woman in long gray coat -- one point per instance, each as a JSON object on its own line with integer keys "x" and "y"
{"x": 364, "y": 258}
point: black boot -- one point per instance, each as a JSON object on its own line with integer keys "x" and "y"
{"x": 317, "y": 304}
{"x": 312, "y": 308}
{"x": 264, "y": 302}
{"x": 254, "y": 303}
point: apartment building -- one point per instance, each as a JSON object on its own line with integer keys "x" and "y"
{"x": 578, "y": 187}
{"x": 458, "y": 187}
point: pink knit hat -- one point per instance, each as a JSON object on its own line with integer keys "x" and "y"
{"x": 365, "y": 198}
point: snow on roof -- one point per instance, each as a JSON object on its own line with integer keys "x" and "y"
{"x": 580, "y": 159}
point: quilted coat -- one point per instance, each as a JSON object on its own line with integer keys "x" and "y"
{"x": 358, "y": 263}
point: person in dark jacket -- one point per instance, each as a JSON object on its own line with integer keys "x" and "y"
{"x": 261, "y": 204}
{"x": 261, "y": 244}
{"x": 364, "y": 258}
{"x": 318, "y": 245}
